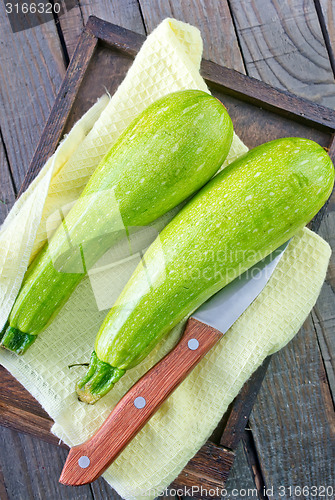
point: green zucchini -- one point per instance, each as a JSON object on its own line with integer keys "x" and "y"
{"x": 249, "y": 209}
{"x": 166, "y": 154}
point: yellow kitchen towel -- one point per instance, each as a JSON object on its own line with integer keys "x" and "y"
{"x": 168, "y": 61}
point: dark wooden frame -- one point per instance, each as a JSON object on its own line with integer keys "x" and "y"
{"x": 211, "y": 466}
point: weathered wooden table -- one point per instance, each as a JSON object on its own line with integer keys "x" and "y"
{"x": 287, "y": 44}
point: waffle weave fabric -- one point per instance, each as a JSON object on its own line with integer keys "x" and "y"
{"x": 168, "y": 61}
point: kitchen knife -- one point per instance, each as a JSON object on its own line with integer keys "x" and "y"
{"x": 87, "y": 461}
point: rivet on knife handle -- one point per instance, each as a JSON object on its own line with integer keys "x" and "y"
{"x": 86, "y": 462}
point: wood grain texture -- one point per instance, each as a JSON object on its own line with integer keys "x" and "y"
{"x": 102, "y": 491}
{"x": 55, "y": 124}
{"x": 293, "y": 417}
{"x": 324, "y": 310}
{"x": 324, "y": 25}
{"x": 20, "y": 411}
{"x": 31, "y": 467}
{"x": 125, "y": 13}
{"x": 120, "y": 39}
{"x": 208, "y": 469}
{"x": 238, "y": 415}
{"x": 250, "y": 451}
{"x": 126, "y": 418}
{"x": 128, "y": 42}
{"x": 254, "y": 124}
{"x": 240, "y": 477}
{"x": 240, "y": 480}
{"x": 328, "y": 12}
{"x": 263, "y": 95}
{"x": 213, "y": 19}
{"x": 7, "y": 193}
{"x": 3, "y": 491}
{"x": 232, "y": 82}
{"x": 31, "y": 71}
{"x": 71, "y": 24}
{"x": 283, "y": 45}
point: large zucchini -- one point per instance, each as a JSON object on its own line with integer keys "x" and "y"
{"x": 166, "y": 154}
{"x": 248, "y": 210}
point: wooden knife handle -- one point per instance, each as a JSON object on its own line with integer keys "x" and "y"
{"x": 86, "y": 462}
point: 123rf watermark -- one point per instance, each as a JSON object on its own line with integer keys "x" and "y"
{"x": 25, "y": 14}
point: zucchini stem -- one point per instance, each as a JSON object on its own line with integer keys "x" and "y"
{"x": 15, "y": 340}
{"x": 3, "y": 331}
{"x": 99, "y": 379}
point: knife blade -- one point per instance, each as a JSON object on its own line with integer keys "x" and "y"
{"x": 87, "y": 461}
{"x": 239, "y": 294}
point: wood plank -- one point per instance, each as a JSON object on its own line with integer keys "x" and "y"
{"x": 238, "y": 415}
{"x": 232, "y": 82}
{"x": 54, "y": 126}
{"x": 211, "y": 17}
{"x": 241, "y": 478}
{"x": 102, "y": 491}
{"x": 240, "y": 483}
{"x": 253, "y": 461}
{"x": 31, "y": 469}
{"x": 29, "y": 417}
{"x": 126, "y": 13}
{"x": 293, "y": 419}
{"x": 208, "y": 469}
{"x": 327, "y": 11}
{"x": 283, "y": 45}
{"x": 31, "y": 71}
{"x": 20, "y": 411}
{"x": 70, "y": 23}
{"x": 324, "y": 310}
{"x": 126, "y": 41}
{"x": 263, "y": 95}
{"x": 7, "y": 193}
{"x": 3, "y": 491}
{"x": 247, "y": 89}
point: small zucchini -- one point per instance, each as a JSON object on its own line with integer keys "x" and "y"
{"x": 249, "y": 209}
{"x": 165, "y": 155}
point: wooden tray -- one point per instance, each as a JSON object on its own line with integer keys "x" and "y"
{"x": 260, "y": 113}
